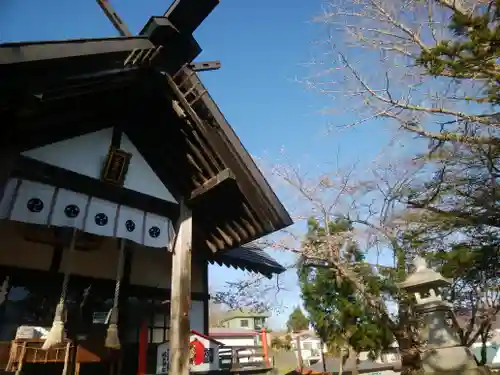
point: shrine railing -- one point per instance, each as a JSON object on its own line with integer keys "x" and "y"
{"x": 243, "y": 357}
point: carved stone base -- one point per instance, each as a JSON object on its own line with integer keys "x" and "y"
{"x": 472, "y": 370}
{"x": 451, "y": 360}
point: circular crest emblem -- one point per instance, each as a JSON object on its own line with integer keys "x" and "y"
{"x": 130, "y": 225}
{"x": 101, "y": 219}
{"x": 72, "y": 211}
{"x": 35, "y": 205}
{"x": 154, "y": 232}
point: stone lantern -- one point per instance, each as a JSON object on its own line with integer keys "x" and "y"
{"x": 443, "y": 352}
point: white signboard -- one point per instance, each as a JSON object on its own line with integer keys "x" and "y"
{"x": 204, "y": 354}
{"x": 31, "y": 332}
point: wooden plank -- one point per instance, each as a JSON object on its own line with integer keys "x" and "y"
{"x": 221, "y": 177}
{"x": 187, "y": 15}
{"x": 34, "y": 52}
{"x": 114, "y": 18}
{"x": 180, "y": 292}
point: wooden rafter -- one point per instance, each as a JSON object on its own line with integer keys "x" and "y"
{"x": 222, "y": 177}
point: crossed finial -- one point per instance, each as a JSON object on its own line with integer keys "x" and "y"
{"x": 419, "y": 263}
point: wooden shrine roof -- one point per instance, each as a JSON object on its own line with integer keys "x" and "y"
{"x": 60, "y": 89}
{"x": 249, "y": 258}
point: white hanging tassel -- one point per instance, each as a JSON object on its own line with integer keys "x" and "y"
{"x": 56, "y": 333}
{"x": 112, "y": 340}
{"x": 4, "y": 290}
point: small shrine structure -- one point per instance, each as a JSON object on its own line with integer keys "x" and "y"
{"x": 203, "y": 355}
{"x": 120, "y": 182}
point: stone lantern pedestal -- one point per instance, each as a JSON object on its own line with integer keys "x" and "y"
{"x": 443, "y": 352}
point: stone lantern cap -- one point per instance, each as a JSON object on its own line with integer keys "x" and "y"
{"x": 423, "y": 276}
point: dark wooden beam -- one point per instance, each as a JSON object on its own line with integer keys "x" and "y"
{"x": 42, "y": 172}
{"x": 156, "y": 155}
{"x": 8, "y": 159}
{"x": 123, "y": 317}
{"x": 117, "y": 22}
{"x": 49, "y": 122}
{"x": 205, "y": 66}
{"x": 222, "y": 177}
{"x": 24, "y": 65}
{"x": 187, "y": 15}
{"x": 57, "y": 254}
{"x": 116, "y": 137}
{"x": 34, "y": 52}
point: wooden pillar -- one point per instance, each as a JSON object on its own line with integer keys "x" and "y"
{"x": 206, "y": 312}
{"x": 123, "y": 304}
{"x": 8, "y": 160}
{"x": 300, "y": 362}
{"x": 181, "y": 294}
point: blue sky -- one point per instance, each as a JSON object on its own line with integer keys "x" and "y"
{"x": 262, "y": 45}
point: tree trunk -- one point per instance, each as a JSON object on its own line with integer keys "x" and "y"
{"x": 409, "y": 351}
{"x": 484, "y": 354}
{"x": 484, "y": 351}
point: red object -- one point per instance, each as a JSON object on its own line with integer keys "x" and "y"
{"x": 143, "y": 350}
{"x": 264, "y": 346}
{"x": 199, "y": 352}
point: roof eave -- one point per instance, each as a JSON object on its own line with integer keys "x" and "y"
{"x": 251, "y": 259}
{"x": 230, "y": 137}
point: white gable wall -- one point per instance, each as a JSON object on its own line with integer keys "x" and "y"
{"x": 87, "y": 153}
{"x": 84, "y": 154}
{"x": 140, "y": 177}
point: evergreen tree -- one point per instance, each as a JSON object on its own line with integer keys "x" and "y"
{"x": 297, "y": 321}
{"x": 337, "y": 312}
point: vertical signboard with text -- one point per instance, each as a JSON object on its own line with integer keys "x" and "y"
{"x": 203, "y": 354}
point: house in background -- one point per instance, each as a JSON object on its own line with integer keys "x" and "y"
{"x": 310, "y": 346}
{"x": 235, "y": 336}
{"x": 245, "y": 319}
{"x": 239, "y": 337}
